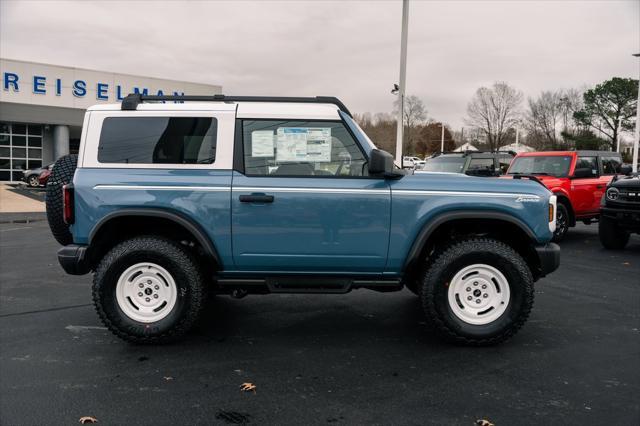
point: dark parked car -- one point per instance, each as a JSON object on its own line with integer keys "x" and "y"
{"x": 44, "y": 177}
{"x": 32, "y": 176}
{"x": 620, "y": 210}
{"x": 473, "y": 163}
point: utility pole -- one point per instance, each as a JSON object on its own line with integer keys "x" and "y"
{"x": 634, "y": 165}
{"x": 442, "y": 138}
{"x": 403, "y": 79}
{"x": 517, "y": 138}
{"x": 618, "y": 135}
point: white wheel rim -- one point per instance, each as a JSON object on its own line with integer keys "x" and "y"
{"x": 146, "y": 292}
{"x": 479, "y": 294}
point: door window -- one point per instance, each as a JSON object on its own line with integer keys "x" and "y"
{"x": 301, "y": 148}
{"x": 481, "y": 167}
{"x": 505, "y": 161}
{"x": 590, "y": 163}
{"x": 611, "y": 165}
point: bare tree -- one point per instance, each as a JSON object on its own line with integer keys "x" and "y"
{"x": 571, "y": 101}
{"x": 381, "y": 128}
{"x": 544, "y": 116}
{"x": 415, "y": 114}
{"x": 494, "y": 110}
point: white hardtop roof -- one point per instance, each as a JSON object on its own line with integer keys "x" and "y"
{"x": 293, "y": 110}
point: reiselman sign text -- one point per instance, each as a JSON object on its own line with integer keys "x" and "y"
{"x": 42, "y": 85}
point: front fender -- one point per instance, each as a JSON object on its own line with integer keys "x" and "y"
{"x": 442, "y": 218}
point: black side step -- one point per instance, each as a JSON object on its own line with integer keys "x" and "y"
{"x": 305, "y": 284}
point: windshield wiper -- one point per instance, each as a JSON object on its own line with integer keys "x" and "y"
{"x": 540, "y": 173}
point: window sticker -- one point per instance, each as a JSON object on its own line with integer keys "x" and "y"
{"x": 319, "y": 145}
{"x": 292, "y": 144}
{"x": 262, "y": 143}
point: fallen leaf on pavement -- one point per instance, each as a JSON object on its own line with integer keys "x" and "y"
{"x": 248, "y": 387}
{"x": 88, "y": 419}
{"x": 167, "y": 378}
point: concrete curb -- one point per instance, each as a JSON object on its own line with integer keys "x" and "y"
{"x": 26, "y": 217}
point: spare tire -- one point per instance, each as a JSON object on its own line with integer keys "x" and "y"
{"x": 61, "y": 175}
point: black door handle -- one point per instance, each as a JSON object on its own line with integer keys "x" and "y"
{"x": 256, "y": 198}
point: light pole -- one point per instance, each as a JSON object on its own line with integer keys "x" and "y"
{"x": 618, "y": 135}
{"x": 634, "y": 164}
{"x": 442, "y": 138}
{"x": 403, "y": 78}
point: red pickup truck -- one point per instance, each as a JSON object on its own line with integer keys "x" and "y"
{"x": 578, "y": 178}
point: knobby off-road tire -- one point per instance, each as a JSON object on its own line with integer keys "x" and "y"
{"x": 509, "y": 290}
{"x": 144, "y": 264}
{"x": 61, "y": 175}
{"x": 562, "y": 223}
{"x": 611, "y": 236}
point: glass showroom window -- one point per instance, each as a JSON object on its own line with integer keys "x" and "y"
{"x": 20, "y": 149}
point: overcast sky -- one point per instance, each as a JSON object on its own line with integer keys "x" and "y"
{"x": 344, "y": 48}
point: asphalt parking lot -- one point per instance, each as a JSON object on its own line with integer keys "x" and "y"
{"x": 361, "y": 358}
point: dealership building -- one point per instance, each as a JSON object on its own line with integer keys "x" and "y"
{"x": 42, "y": 107}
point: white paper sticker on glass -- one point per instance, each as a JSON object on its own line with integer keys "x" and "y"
{"x": 262, "y": 143}
{"x": 319, "y": 145}
{"x": 291, "y": 144}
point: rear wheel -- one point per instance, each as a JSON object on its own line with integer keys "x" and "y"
{"x": 148, "y": 290}
{"x": 478, "y": 291}
{"x": 61, "y": 175}
{"x": 562, "y": 223}
{"x": 611, "y": 236}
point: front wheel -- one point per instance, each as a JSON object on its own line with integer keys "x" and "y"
{"x": 148, "y": 290}
{"x": 611, "y": 236}
{"x": 478, "y": 291}
{"x": 33, "y": 181}
{"x": 562, "y": 223}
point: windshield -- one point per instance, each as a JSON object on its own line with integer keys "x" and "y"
{"x": 557, "y": 166}
{"x": 445, "y": 164}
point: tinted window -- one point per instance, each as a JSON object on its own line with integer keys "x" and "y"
{"x": 300, "y": 148}
{"x": 445, "y": 164}
{"x": 590, "y": 163}
{"x": 611, "y": 165}
{"x": 481, "y": 164}
{"x": 553, "y": 165}
{"x": 505, "y": 161}
{"x": 158, "y": 140}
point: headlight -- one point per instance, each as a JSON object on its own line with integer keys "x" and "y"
{"x": 553, "y": 205}
{"x": 612, "y": 194}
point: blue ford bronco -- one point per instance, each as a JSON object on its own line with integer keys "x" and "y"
{"x": 173, "y": 198}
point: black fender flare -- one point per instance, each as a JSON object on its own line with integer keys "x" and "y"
{"x": 195, "y": 229}
{"x": 442, "y": 218}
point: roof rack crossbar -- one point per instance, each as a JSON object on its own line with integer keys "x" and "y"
{"x": 131, "y": 101}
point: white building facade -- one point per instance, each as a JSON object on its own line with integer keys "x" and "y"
{"x": 42, "y": 107}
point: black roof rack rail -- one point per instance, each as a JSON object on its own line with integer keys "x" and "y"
{"x": 131, "y": 101}
{"x": 470, "y": 151}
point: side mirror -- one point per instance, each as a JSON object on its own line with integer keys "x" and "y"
{"x": 626, "y": 169}
{"x": 380, "y": 163}
{"x": 583, "y": 172}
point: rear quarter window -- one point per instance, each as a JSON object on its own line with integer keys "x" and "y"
{"x": 158, "y": 140}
